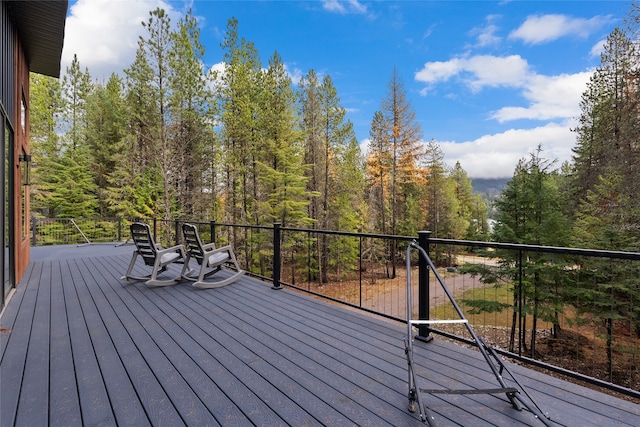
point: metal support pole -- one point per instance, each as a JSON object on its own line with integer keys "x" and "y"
{"x": 212, "y": 231}
{"x": 155, "y": 229}
{"x": 277, "y": 260}
{"x": 33, "y": 231}
{"x": 424, "y": 333}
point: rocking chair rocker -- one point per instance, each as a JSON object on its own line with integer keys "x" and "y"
{"x": 210, "y": 259}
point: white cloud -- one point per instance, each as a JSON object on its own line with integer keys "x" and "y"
{"x": 598, "y": 48}
{"x": 495, "y": 156}
{"x": 295, "y": 74}
{"x": 104, "y": 33}
{"x": 486, "y": 36}
{"x": 477, "y": 71}
{"x": 549, "y": 97}
{"x": 545, "y": 28}
{"x": 487, "y": 70}
{"x": 344, "y": 6}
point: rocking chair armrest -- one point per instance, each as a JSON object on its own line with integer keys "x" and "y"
{"x": 224, "y": 248}
{"x": 211, "y": 247}
{"x": 216, "y": 250}
{"x": 208, "y": 247}
{"x": 177, "y": 248}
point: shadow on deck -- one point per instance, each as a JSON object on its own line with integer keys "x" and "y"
{"x": 79, "y": 346}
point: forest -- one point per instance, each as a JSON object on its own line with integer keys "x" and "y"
{"x": 244, "y": 145}
{"x": 241, "y": 145}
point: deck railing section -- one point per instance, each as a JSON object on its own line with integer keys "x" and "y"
{"x": 574, "y": 311}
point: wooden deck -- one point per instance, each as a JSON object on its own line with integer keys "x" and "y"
{"x": 81, "y": 347}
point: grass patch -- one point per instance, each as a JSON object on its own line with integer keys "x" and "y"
{"x": 489, "y": 294}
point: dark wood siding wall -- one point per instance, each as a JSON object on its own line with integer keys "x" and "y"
{"x": 21, "y": 209}
{"x": 7, "y": 120}
{"x": 7, "y": 41}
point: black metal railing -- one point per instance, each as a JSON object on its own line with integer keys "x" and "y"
{"x": 574, "y": 311}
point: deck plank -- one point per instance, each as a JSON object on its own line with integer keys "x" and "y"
{"x": 94, "y": 397}
{"x": 121, "y": 353}
{"x": 14, "y": 358}
{"x": 135, "y": 395}
{"x": 246, "y": 387}
{"x": 160, "y": 351}
{"x": 202, "y": 370}
{"x": 34, "y": 395}
{"x": 64, "y": 404}
{"x": 284, "y": 373}
{"x": 355, "y": 363}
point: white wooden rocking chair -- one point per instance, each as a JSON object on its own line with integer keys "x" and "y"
{"x": 210, "y": 259}
{"x": 153, "y": 256}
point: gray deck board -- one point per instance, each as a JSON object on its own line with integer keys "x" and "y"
{"x": 79, "y": 346}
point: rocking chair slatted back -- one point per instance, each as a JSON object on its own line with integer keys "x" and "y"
{"x": 193, "y": 243}
{"x": 146, "y": 247}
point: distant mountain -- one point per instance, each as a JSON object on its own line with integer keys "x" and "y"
{"x": 489, "y": 186}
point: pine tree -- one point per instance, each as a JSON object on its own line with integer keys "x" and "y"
{"x": 396, "y": 135}
{"x": 239, "y": 94}
{"x": 378, "y": 171}
{"x": 106, "y": 122}
{"x": 437, "y": 199}
{"x": 608, "y": 289}
{"x": 46, "y": 108}
{"x": 311, "y": 126}
{"x": 156, "y": 47}
{"x": 72, "y": 180}
{"x": 530, "y": 211}
{"x": 608, "y": 132}
{"x": 283, "y": 179}
{"x": 404, "y": 140}
{"x": 76, "y": 87}
{"x": 188, "y": 102}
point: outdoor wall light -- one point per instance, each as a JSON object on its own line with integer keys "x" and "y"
{"x": 25, "y": 168}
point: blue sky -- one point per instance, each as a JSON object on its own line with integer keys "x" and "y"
{"x": 489, "y": 81}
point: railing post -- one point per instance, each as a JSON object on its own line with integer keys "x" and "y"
{"x": 212, "y": 231}
{"x": 33, "y": 231}
{"x": 177, "y": 231}
{"x": 119, "y": 229}
{"x": 155, "y": 229}
{"x": 277, "y": 260}
{"x": 424, "y": 333}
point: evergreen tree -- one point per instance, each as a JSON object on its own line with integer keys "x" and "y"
{"x": 106, "y": 121}
{"x": 396, "y": 133}
{"x": 470, "y": 219}
{"x": 46, "y": 108}
{"x": 437, "y": 198}
{"x": 76, "y": 87}
{"x": 188, "y": 102}
{"x": 311, "y": 126}
{"x": 378, "y": 171}
{"x": 608, "y": 129}
{"x": 284, "y": 181}
{"x": 608, "y": 289}
{"x": 529, "y": 211}
{"x": 72, "y": 180}
{"x": 143, "y": 179}
{"x": 404, "y": 140}
{"x": 239, "y": 95}
{"x": 156, "y": 48}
